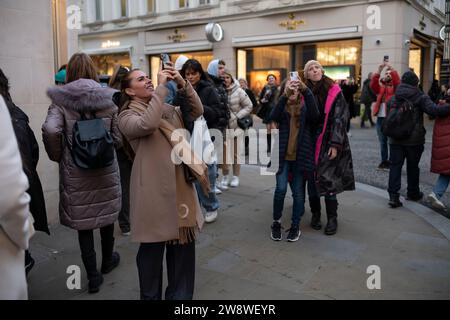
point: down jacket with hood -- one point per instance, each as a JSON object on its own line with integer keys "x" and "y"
{"x": 213, "y": 73}
{"x": 239, "y": 104}
{"x": 89, "y": 199}
{"x": 422, "y": 103}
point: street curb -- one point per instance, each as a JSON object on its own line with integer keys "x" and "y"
{"x": 440, "y": 223}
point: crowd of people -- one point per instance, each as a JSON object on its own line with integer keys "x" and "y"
{"x": 114, "y": 147}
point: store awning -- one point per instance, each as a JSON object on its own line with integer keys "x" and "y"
{"x": 426, "y": 38}
{"x": 289, "y": 37}
{"x": 102, "y": 51}
{"x": 184, "y": 46}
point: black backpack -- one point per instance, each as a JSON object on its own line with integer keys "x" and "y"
{"x": 92, "y": 144}
{"x": 400, "y": 122}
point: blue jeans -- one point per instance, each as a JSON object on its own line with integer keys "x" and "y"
{"x": 298, "y": 192}
{"x": 382, "y": 139}
{"x": 441, "y": 185}
{"x": 210, "y": 202}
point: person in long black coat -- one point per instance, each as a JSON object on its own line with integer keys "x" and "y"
{"x": 333, "y": 155}
{"x": 349, "y": 88}
{"x": 29, "y": 151}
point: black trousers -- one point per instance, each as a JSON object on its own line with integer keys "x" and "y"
{"x": 180, "y": 260}
{"x": 412, "y": 154}
{"x": 86, "y": 240}
{"x": 125, "y": 166}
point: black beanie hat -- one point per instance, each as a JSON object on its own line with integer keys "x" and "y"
{"x": 410, "y": 78}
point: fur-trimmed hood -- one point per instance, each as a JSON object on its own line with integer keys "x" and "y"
{"x": 82, "y": 95}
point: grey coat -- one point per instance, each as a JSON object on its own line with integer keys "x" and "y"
{"x": 89, "y": 199}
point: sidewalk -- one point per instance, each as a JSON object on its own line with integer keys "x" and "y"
{"x": 236, "y": 259}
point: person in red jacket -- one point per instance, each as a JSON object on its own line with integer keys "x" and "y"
{"x": 440, "y": 158}
{"x": 384, "y": 89}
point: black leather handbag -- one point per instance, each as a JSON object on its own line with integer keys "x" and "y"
{"x": 245, "y": 122}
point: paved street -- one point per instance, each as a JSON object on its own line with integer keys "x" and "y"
{"x": 236, "y": 259}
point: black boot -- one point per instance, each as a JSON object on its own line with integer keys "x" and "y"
{"x": 110, "y": 259}
{"x": 95, "y": 278}
{"x": 331, "y": 227}
{"x": 314, "y": 204}
{"x": 394, "y": 200}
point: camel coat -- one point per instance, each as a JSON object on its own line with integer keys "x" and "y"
{"x": 156, "y": 197}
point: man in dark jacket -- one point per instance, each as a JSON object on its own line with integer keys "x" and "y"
{"x": 367, "y": 98}
{"x": 215, "y": 71}
{"x": 412, "y": 147}
{"x": 349, "y": 88}
{"x": 29, "y": 151}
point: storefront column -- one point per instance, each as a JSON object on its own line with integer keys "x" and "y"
{"x": 428, "y": 66}
{"x": 139, "y": 59}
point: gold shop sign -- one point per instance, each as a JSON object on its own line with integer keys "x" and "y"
{"x": 291, "y": 24}
{"x": 177, "y": 36}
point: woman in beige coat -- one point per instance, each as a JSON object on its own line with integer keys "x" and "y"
{"x": 240, "y": 106}
{"x": 16, "y": 225}
{"x": 164, "y": 208}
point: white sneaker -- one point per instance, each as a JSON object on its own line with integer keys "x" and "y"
{"x": 210, "y": 216}
{"x": 224, "y": 183}
{"x": 234, "y": 182}
{"x": 217, "y": 190}
{"x": 435, "y": 202}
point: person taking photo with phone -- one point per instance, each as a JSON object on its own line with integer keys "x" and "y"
{"x": 333, "y": 157}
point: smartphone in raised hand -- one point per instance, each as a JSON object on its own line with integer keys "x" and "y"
{"x": 165, "y": 60}
{"x": 293, "y": 75}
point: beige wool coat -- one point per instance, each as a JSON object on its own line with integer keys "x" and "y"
{"x": 155, "y": 200}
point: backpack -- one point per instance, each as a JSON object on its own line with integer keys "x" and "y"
{"x": 399, "y": 123}
{"x": 92, "y": 144}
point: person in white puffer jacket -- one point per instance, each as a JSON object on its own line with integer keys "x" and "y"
{"x": 16, "y": 223}
{"x": 240, "y": 106}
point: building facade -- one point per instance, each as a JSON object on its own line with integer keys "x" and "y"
{"x": 33, "y": 37}
{"x": 350, "y": 38}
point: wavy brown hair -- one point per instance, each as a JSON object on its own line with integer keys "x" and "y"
{"x": 123, "y": 102}
{"x": 81, "y": 66}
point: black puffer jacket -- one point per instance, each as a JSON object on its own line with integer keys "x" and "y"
{"x": 223, "y": 97}
{"x": 29, "y": 151}
{"x": 367, "y": 94}
{"x": 422, "y": 103}
{"x": 214, "y": 113}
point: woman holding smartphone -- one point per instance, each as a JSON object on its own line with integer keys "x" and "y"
{"x": 295, "y": 116}
{"x": 165, "y": 213}
{"x": 333, "y": 158}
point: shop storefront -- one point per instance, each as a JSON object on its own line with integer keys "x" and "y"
{"x": 425, "y": 56}
{"x": 340, "y": 59}
{"x": 204, "y": 57}
{"x": 189, "y": 41}
{"x": 105, "y": 62}
{"x": 110, "y": 51}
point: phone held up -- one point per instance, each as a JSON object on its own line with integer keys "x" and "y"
{"x": 165, "y": 60}
{"x": 386, "y": 58}
{"x": 293, "y": 75}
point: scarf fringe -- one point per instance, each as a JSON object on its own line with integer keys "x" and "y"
{"x": 185, "y": 235}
